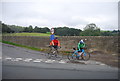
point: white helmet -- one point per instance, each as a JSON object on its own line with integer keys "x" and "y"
{"x": 81, "y": 41}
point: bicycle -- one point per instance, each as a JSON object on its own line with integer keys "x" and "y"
{"x": 53, "y": 53}
{"x": 74, "y": 56}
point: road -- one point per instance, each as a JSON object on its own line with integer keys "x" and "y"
{"x": 21, "y": 63}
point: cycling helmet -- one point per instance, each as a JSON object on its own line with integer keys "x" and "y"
{"x": 56, "y": 38}
{"x": 81, "y": 41}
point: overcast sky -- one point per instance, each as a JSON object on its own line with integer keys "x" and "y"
{"x": 59, "y": 13}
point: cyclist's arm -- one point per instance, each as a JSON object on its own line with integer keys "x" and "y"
{"x": 78, "y": 46}
{"x": 52, "y": 43}
{"x": 84, "y": 45}
{"x": 59, "y": 43}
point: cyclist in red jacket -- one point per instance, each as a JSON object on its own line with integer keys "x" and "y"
{"x": 55, "y": 43}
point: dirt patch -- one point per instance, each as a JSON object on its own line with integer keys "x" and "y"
{"x": 109, "y": 59}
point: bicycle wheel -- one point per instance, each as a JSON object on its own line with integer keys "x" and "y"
{"x": 86, "y": 56}
{"x": 50, "y": 52}
{"x": 71, "y": 57}
{"x": 59, "y": 56}
{"x": 53, "y": 54}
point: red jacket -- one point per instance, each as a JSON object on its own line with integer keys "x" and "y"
{"x": 55, "y": 42}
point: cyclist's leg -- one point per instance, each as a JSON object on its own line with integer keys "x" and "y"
{"x": 82, "y": 50}
{"x": 55, "y": 47}
{"x": 50, "y": 49}
{"x": 78, "y": 54}
{"x": 82, "y": 53}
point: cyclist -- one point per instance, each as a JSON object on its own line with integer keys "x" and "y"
{"x": 55, "y": 43}
{"x": 80, "y": 47}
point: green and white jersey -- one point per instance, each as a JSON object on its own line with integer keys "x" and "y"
{"x": 81, "y": 45}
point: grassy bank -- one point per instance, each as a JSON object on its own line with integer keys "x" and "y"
{"x": 32, "y": 48}
{"x": 26, "y": 34}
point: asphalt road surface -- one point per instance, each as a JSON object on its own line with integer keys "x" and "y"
{"x": 21, "y": 63}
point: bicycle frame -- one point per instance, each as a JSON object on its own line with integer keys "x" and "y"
{"x": 54, "y": 53}
{"x": 77, "y": 55}
{"x": 55, "y": 49}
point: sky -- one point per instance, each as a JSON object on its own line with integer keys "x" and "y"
{"x": 59, "y": 13}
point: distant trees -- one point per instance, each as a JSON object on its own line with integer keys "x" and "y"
{"x": 16, "y": 29}
{"x": 106, "y": 33}
{"x": 65, "y": 31}
{"x": 110, "y": 33}
{"x": 28, "y": 29}
{"x": 6, "y": 29}
{"x": 44, "y": 30}
{"x": 41, "y": 30}
{"x": 90, "y": 30}
{"x": 36, "y": 29}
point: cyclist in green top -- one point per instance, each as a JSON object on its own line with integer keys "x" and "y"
{"x": 80, "y": 47}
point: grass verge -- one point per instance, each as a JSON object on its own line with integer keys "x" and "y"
{"x": 32, "y": 48}
{"x": 26, "y": 34}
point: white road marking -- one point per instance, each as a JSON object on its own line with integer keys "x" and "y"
{"x": 87, "y": 62}
{"x": 102, "y": 64}
{"x": 49, "y": 61}
{"x": 27, "y": 60}
{"x": 18, "y": 58}
{"x": 0, "y": 58}
{"x": 8, "y": 58}
{"x": 62, "y": 61}
{"x": 46, "y": 60}
{"x": 93, "y": 63}
{"x": 37, "y": 60}
{"x": 97, "y": 62}
{"x": 14, "y": 59}
{"x": 114, "y": 54}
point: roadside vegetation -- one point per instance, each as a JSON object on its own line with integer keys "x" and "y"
{"x": 32, "y": 48}
{"x": 26, "y": 34}
{"x": 28, "y": 47}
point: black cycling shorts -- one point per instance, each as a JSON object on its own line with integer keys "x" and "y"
{"x": 55, "y": 47}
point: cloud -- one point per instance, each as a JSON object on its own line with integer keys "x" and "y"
{"x": 60, "y": 1}
{"x": 53, "y": 13}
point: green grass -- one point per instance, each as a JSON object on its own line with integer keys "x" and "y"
{"x": 32, "y": 48}
{"x": 26, "y": 34}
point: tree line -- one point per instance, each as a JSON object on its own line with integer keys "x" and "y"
{"x": 90, "y": 30}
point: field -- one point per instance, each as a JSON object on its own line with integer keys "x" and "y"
{"x": 26, "y": 34}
